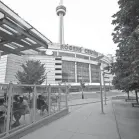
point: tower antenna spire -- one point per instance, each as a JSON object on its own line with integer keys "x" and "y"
{"x": 61, "y": 2}
{"x": 61, "y": 12}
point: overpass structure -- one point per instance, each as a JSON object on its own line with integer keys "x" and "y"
{"x": 17, "y": 36}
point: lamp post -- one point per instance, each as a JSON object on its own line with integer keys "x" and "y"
{"x": 46, "y": 76}
{"x": 82, "y": 87}
{"x": 101, "y": 93}
{"x": 104, "y": 87}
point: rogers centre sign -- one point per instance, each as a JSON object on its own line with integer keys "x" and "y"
{"x": 78, "y": 49}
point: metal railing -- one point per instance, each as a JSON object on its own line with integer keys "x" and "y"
{"x": 23, "y": 105}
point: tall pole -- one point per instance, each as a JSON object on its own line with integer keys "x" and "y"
{"x": 109, "y": 85}
{"x": 101, "y": 93}
{"x": 104, "y": 87}
{"x": 61, "y": 11}
{"x": 46, "y": 76}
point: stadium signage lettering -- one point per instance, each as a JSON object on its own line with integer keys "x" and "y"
{"x": 71, "y": 48}
{"x": 78, "y": 49}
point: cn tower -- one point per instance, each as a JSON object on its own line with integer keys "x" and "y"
{"x": 61, "y": 11}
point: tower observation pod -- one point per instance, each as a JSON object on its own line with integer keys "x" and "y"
{"x": 61, "y": 11}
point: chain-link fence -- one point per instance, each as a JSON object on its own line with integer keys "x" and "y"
{"x": 23, "y": 105}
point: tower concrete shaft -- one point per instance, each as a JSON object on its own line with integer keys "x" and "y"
{"x": 61, "y": 11}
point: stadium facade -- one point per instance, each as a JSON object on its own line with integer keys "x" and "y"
{"x": 66, "y": 63}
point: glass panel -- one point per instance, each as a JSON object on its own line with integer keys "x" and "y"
{"x": 82, "y": 72}
{"x": 82, "y": 56}
{"x": 30, "y": 51}
{"x": 15, "y": 16}
{"x": 3, "y": 108}
{"x": 21, "y": 107}
{"x": 40, "y": 35}
{"x": 9, "y": 46}
{"x": 6, "y": 31}
{"x": 68, "y": 71}
{"x": 25, "y": 41}
{"x": 19, "y": 45}
{"x": 10, "y": 28}
{"x": 12, "y": 45}
{"x": 66, "y": 54}
{"x": 1, "y": 15}
{"x": 15, "y": 23}
{"x": 94, "y": 73}
{"x": 31, "y": 40}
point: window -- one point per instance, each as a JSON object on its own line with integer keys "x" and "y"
{"x": 58, "y": 73}
{"x": 82, "y": 57}
{"x": 94, "y": 73}
{"x": 66, "y": 54}
{"x": 58, "y": 63}
{"x": 57, "y": 58}
{"x": 82, "y": 72}
{"x": 68, "y": 71}
{"x": 58, "y": 79}
{"x": 58, "y": 69}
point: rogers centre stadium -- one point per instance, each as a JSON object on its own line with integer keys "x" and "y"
{"x": 65, "y": 64}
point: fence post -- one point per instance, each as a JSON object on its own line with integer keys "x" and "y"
{"x": 10, "y": 89}
{"x": 66, "y": 96}
{"x": 34, "y": 103}
{"x": 59, "y": 98}
{"x": 49, "y": 100}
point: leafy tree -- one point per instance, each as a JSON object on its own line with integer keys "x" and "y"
{"x": 126, "y": 22}
{"x": 33, "y": 72}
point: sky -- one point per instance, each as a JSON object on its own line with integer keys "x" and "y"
{"x": 87, "y": 23}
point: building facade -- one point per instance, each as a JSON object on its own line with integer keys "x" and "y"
{"x": 67, "y": 63}
{"x": 79, "y": 63}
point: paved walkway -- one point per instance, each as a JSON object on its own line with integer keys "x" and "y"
{"x": 127, "y": 118}
{"x": 120, "y": 121}
{"x": 84, "y": 123}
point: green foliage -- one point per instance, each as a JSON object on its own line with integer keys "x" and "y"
{"x": 33, "y": 72}
{"x": 126, "y": 67}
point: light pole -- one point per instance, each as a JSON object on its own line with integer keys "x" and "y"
{"x": 46, "y": 76}
{"x": 104, "y": 86}
{"x": 101, "y": 93}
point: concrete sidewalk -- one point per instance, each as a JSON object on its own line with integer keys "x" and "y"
{"x": 84, "y": 123}
{"x": 120, "y": 121}
{"x": 127, "y": 118}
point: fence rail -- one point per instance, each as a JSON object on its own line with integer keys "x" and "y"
{"x": 22, "y": 105}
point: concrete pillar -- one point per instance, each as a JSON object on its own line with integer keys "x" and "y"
{"x": 90, "y": 73}
{"x": 9, "y": 108}
{"x": 75, "y": 72}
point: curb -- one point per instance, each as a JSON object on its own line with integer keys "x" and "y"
{"x": 116, "y": 121}
{"x": 86, "y": 103}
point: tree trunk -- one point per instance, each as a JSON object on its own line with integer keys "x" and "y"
{"x": 128, "y": 94}
{"x": 82, "y": 94}
{"x": 29, "y": 100}
{"x": 136, "y": 96}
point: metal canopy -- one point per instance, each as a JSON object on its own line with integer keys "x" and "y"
{"x": 17, "y": 36}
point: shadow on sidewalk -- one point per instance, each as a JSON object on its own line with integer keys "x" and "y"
{"x": 127, "y": 118}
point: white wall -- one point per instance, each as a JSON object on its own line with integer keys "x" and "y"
{"x": 3, "y": 63}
